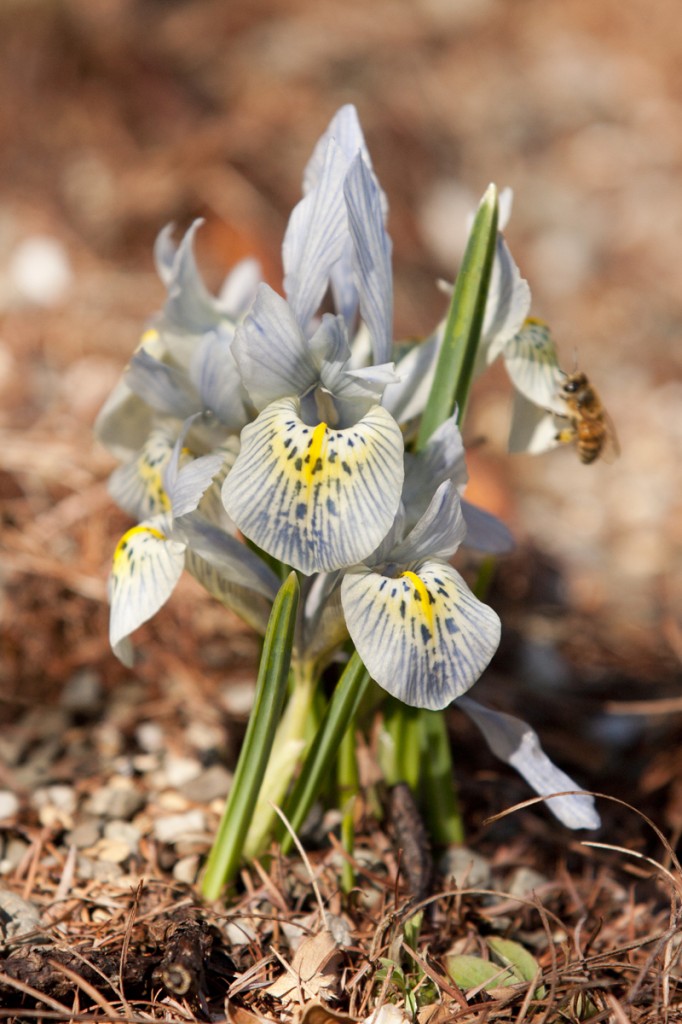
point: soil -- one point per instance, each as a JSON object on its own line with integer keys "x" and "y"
{"x": 116, "y": 118}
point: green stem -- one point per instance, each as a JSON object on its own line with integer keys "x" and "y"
{"x": 226, "y": 853}
{"x": 438, "y": 782}
{"x": 348, "y": 791}
{"x": 402, "y": 753}
{"x": 286, "y": 752}
{"x": 317, "y": 765}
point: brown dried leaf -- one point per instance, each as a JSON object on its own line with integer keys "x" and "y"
{"x": 313, "y": 971}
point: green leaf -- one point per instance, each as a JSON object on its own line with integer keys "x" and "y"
{"x": 318, "y": 763}
{"x": 472, "y": 972}
{"x": 271, "y": 687}
{"x": 455, "y": 367}
{"x": 522, "y": 963}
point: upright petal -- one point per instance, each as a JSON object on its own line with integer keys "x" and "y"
{"x": 423, "y": 635}
{"x": 316, "y": 498}
{"x": 371, "y": 256}
{"x": 272, "y": 354}
{"x": 515, "y": 742}
{"x": 507, "y": 305}
{"x": 190, "y": 307}
{"x": 438, "y": 532}
{"x": 315, "y": 237}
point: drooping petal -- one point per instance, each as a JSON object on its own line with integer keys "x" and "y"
{"x": 316, "y": 498}
{"x": 188, "y": 484}
{"x": 513, "y": 741}
{"x": 423, "y": 636}
{"x": 232, "y": 560}
{"x": 146, "y": 567}
{"x": 532, "y": 364}
{"x": 485, "y": 532}
{"x": 273, "y": 356}
{"x": 315, "y": 237}
{"x": 371, "y": 256}
{"x": 253, "y": 608}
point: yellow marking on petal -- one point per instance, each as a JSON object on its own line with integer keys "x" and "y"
{"x": 422, "y": 595}
{"x": 149, "y": 335}
{"x": 315, "y": 451}
{"x": 122, "y": 545}
{"x": 534, "y": 321}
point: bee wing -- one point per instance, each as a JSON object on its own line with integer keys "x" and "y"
{"x": 611, "y": 449}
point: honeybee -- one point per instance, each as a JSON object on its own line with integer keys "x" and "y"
{"x": 590, "y": 426}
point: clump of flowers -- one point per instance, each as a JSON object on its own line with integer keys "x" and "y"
{"x": 314, "y": 484}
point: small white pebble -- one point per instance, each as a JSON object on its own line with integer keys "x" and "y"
{"x": 9, "y": 804}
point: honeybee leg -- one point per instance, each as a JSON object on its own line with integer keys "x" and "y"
{"x": 566, "y": 435}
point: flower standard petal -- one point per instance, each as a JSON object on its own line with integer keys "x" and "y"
{"x": 371, "y": 256}
{"x": 315, "y": 237}
{"x": 272, "y": 354}
{"x": 513, "y": 741}
{"x": 316, "y": 498}
{"x": 423, "y": 635}
{"x": 146, "y": 567}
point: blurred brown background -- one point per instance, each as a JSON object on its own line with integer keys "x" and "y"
{"x": 117, "y": 116}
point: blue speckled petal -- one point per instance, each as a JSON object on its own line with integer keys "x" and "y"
{"x": 316, "y": 498}
{"x": 423, "y": 635}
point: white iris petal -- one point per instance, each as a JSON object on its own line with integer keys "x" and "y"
{"x": 513, "y": 741}
{"x": 423, "y": 635}
{"x": 146, "y": 567}
{"x": 316, "y": 498}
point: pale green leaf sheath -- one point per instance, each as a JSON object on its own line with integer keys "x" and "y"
{"x": 315, "y": 497}
{"x": 422, "y": 634}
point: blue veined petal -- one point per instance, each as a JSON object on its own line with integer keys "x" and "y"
{"x": 423, "y": 635}
{"x": 146, "y": 567}
{"x": 513, "y": 741}
{"x": 531, "y": 362}
{"x": 442, "y": 458}
{"x": 273, "y": 357}
{"x": 344, "y": 128}
{"x": 438, "y": 532}
{"x": 214, "y": 372}
{"x": 253, "y": 608}
{"x": 167, "y": 389}
{"x": 408, "y": 397}
{"x": 138, "y": 486}
{"x": 371, "y": 256}
{"x": 316, "y": 498}
{"x": 485, "y": 532}
{"x": 314, "y": 238}
{"x": 232, "y": 559}
{"x": 187, "y": 485}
